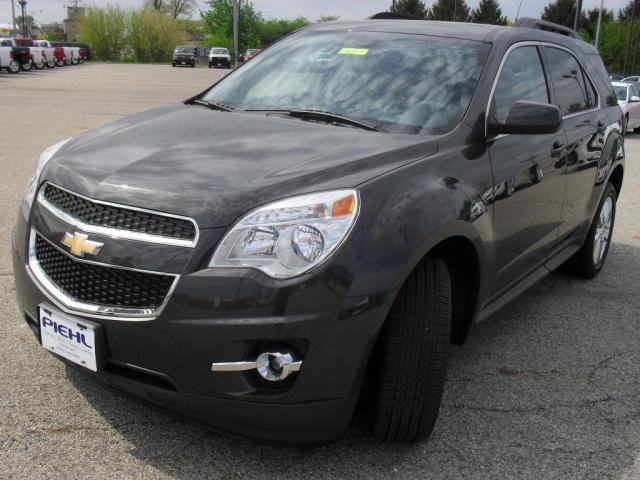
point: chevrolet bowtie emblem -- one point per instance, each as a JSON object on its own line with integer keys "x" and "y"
{"x": 79, "y": 244}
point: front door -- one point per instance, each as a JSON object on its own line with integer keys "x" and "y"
{"x": 528, "y": 173}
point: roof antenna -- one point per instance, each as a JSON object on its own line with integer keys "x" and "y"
{"x": 518, "y": 13}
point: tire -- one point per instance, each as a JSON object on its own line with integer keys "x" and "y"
{"x": 636, "y": 130}
{"x": 14, "y": 67}
{"x": 59, "y": 63}
{"x": 26, "y": 67}
{"x": 589, "y": 260}
{"x": 51, "y": 63}
{"x": 193, "y": 65}
{"x": 408, "y": 366}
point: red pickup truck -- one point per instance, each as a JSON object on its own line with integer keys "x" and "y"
{"x": 55, "y": 55}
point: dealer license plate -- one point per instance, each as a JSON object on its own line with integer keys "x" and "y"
{"x": 68, "y": 337}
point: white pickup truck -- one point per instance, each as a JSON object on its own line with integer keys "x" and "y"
{"x": 13, "y": 55}
{"x": 38, "y": 57}
{"x": 49, "y": 51}
{"x": 70, "y": 53}
{"x": 7, "y": 60}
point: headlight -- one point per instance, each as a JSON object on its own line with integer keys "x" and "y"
{"x": 32, "y": 186}
{"x": 289, "y": 237}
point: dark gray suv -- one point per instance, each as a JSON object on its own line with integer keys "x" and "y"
{"x": 318, "y": 226}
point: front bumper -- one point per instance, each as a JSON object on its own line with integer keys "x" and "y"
{"x": 213, "y": 317}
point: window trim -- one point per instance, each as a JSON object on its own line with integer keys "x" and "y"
{"x": 548, "y": 75}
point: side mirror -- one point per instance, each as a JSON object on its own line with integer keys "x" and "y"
{"x": 528, "y": 118}
{"x": 635, "y": 99}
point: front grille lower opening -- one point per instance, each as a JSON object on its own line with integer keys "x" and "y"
{"x": 121, "y": 218}
{"x": 101, "y": 285}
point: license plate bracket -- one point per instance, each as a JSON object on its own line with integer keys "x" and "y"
{"x": 78, "y": 340}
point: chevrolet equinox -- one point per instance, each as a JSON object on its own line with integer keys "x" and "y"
{"x": 319, "y": 225}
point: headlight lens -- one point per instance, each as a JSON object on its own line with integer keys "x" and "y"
{"x": 32, "y": 186}
{"x": 289, "y": 237}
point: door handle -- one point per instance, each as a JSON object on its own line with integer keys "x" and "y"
{"x": 558, "y": 149}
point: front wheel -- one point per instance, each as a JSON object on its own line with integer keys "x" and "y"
{"x": 26, "y": 66}
{"x": 51, "y": 63}
{"x": 60, "y": 62}
{"x": 408, "y": 367}
{"x": 40, "y": 65}
{"x": 589, "y": 260}
{"x": 14, "y": 67}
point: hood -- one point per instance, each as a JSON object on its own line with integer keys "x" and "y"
{"x": 214, "y": 166}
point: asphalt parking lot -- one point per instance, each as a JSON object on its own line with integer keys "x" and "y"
{"x": 547, "y": 388}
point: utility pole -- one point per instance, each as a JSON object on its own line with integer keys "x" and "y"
{"x": 23, "y": 5}
{"x": 236, "y": 33}
{"x": 518, "y": 13}
{"x": 626, "y": 50}
{"x": 576, "y": 21}
{"x": 599, "y": 24}
{"x": 13, "y": 18}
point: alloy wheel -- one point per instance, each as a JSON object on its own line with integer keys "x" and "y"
{"x": 603, "y": 231}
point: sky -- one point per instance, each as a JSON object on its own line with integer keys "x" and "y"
{"x": 47, "y": 11}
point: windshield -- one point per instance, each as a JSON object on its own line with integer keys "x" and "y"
{"x": 220, "y": 51}
{"x": 621, "y": 92}
{"x": 184, "y": 49}
{"x": 398, "y": 82}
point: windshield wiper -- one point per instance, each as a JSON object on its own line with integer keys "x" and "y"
{"x": 213, "y": 105}
{"x": 321, "y": 116}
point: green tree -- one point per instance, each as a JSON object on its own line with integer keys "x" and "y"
{"x": 613, "y": 44}
{"x": 590, "y": 25}
{"x": 273, "y": 30}
{"x": 450, "y": 10}
{"x": 29, "y": 23}
{"x": 488, "y": 11}
{"x": 413, "y": 8}
{"x": 105, "y": 30}
{"x": 218, "y": 22}
{"x": 562, "y": 12}
{"x": 153, "y": 35}
{"x": 626, "y": 12}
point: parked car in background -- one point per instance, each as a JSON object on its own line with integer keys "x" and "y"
{"x": 8, "y": 60}
{"x": 249, "y": 54}
{"x": 84, "y": 50}
{"x": 635, "y": 79}
{"x": 69, "y": 52}
{"x": 184, "y": 55}
{"x": 38, "y": 54}
{"x": 615, "y": 78}
{"x": 219, "y": 57}
{"x": 49, "y": 51}
{"x": 21, "y": 55}
{"x": 629, "y": 101}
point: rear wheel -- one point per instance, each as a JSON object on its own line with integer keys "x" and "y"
{"x": 51, "y": 63}
{"x": 588, "y": 261}
{"x": 60, "y": 62}
{"x": 26, "y": 66}
{"x": 40, "y": 65}
{"x": 408, "y": 367}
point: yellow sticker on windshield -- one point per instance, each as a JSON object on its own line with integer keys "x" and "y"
{"x": 353, "y": 51}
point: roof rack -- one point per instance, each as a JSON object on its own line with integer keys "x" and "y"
{"x": 539, "y": 24}
{"x": 392, "y": 16}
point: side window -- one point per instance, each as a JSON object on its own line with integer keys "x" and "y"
{"x": 592, "y": 96}
{"x": 572, "y": 93}
{"x": 633, "y": 92}
{"x": 521, "y": 78}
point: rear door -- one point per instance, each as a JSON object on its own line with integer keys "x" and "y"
{"x": 584, "y": 124}
{"x": 529, "y": 172}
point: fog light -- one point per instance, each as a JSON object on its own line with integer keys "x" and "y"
{"x": 272, "y": 366}
{"x": 275, "y": 366}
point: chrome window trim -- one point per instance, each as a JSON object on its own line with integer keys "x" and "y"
{"x": 115, "y": 232}
{"x": 72, "y": 306}
{"x": 534, "y": 43}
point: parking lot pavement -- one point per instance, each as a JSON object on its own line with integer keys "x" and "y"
{"x": 547, "y": 388}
